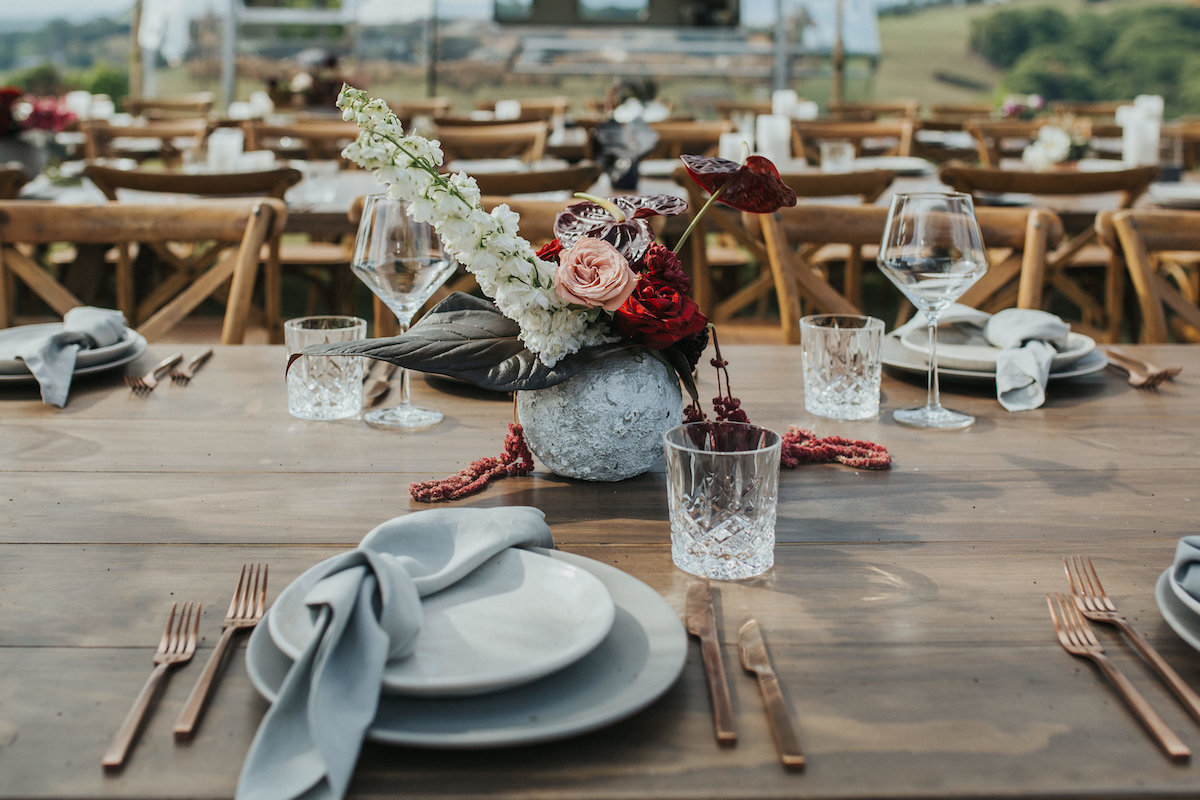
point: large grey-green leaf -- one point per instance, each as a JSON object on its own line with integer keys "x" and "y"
{"x": 467, "y": 337}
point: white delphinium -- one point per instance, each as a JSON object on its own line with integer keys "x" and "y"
{"x": 488, "y": 244}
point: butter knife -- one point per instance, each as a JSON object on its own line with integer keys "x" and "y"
{"x": 753, "y": 651}
{"x": 701, "y": 622}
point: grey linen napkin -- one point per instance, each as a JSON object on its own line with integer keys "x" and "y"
{"x": 1185, "y": 571}
{"x": 367, "y": 608}
{"x": 51, "y": 356}
{"x": 1028, "y": 340}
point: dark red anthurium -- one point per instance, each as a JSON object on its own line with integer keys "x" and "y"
{"x": 754, "y": 186}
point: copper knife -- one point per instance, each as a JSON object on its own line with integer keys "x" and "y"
{"x": 701, "y": 622}
{"x": 753, "y": 651}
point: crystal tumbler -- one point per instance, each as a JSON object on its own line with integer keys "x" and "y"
{"x": 842, "y": 365}
{"x": 324, "y": 387}
{"x": 722, "y": 488}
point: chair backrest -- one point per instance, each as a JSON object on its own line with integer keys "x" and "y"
{"x": 262, "y": 183}
{"x": 534, "y": 108}
{"x": 167, "y": 138}
{"x": 1131, "y": 182}
{"x": 1022, "y": 234}
{"x": 575, "y": 178}
{"x": 11, "y": 181}
{"x": 808, "y": 135}
{"x": 197, "y": 104}
{"x": 691, "y": 137}
{"x": 1160, "y": 249}
{"x": 431, "y": 107}
{"x": 321, "y": 139}
{"x": 523, "y": 140}
{"x": 867, "y": 185}
{"x": 867, "y": 111}
{"x": 234, "y": 229}
{"x": 996, "y": 139}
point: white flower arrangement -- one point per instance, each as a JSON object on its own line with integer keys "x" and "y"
{"x": 1055, "y": 144}
{"x": 488, "y": 244}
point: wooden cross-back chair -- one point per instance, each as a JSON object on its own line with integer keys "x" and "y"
{"x": 890, "y": 137}
{"x": 262, "y": 183}
{"x": 1015, "y": 235}
{"x": 996, "y": 139}
{"x": 575, "y": 178}
{"x": 408, "y": 110}
{"x": 867, "y": 111}
{"x": 523, "y": 140}
{"x": 533, "y": 108}
{"x": 11, "y": 181}
{"x": 315, "y": 139}
{"x": 164, "y": 139}
{"x": 1161, "y": 251}
{"x": 197, "y": 104}
{"x": 1101, "y": 316}
{"x": 691, "y": 137}
{"x": 736, "y": 245}
{"x": 237, "y": 228}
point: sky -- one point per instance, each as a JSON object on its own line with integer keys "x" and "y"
{"x": 79, "y": 10}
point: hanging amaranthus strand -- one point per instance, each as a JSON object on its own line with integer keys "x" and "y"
{"x": 802, "y": 446}
{"x": 515, "y": 460}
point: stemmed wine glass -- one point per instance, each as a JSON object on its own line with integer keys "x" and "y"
{"x": 402, "y": 262}
{"x": 933, "y": 251}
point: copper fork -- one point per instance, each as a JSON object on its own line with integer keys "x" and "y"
{"x": 176, "y": 646}
{"x": 1077, "y": 638}
{"x": 142, "y": 385}
{"x": 1142, "y": 374}
{"x": 181, "y": 375}
{"x": 1094, "y": 603}
{"x": 245, "y": 610}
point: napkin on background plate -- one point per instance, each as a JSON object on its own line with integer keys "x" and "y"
{"x": 1027, "y": 340}
{"x": 51, "y": 356}
{"x": 1185, "y": 572}
{"x": 368, "y": 610}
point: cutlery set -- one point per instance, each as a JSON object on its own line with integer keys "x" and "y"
{"x": 1089, "y": 601}
{"x": 1142, "y": 374}
{"x": 752, "y": 649}
{"x": 177, "y": 646}
{"x": 143, "y": 385}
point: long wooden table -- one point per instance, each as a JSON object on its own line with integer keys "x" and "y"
{"x": 905, "y": 612}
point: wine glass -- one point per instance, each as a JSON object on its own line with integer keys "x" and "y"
{"x": 402, "y": 262}
{"x": 933, "y": 251}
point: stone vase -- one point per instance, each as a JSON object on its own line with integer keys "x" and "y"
{"x": 606, "y": 422}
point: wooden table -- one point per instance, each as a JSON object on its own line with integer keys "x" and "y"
{"x": 905, "y": 613}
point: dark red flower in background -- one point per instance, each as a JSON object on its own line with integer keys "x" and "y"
{"x": 657, "y": 315}
{"x": 662, "y": 263}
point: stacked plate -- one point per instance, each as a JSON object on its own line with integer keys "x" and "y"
{"x": 533, "y": 645}
{"x": 964, "y": 354}
{"x": 13, "y": 370}
{"x": 1179, "y": 608}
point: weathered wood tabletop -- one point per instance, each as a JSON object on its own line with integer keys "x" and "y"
{"x": 905, "y": 613}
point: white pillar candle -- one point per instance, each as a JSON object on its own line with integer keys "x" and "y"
{"x": 773, "y": 135}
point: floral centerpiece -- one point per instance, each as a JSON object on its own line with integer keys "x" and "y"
{"x": 604, "y": 292}
{"x": 25, "y": 125}
{"x": 1022, "y": 106}
{"x": 1064, "y": 140}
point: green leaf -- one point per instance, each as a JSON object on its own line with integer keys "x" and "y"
{"x": 467, "y": 337}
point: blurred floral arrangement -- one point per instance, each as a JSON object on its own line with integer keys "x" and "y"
{"x": 1022, "y": 106}
{"x": 19, "y": 113}
{"x": 1064, "y": 140}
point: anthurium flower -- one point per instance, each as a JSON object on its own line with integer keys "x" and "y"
{"x": 621, "y": 221}
{"x": 754, "y": 186}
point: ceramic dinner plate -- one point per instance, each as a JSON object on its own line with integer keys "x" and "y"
{"x": 1182, "y": 619}
{"x": 86, "y": 363}
{"x": 901, "y": 165}
{"x": 967, "y": 349}
{"x": 897, "y": 356}
{"x": 637, "y": 662}
{"x": 86, "y": 358}
{"x": 515, "y": 618}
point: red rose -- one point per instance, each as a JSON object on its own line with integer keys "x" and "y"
{"x": 662, "y": 263}
{"x": 657, "y": 315}
{"x": 550, "y": 251}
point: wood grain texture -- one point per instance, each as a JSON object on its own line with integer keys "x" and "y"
{"x": 905, "y": 614}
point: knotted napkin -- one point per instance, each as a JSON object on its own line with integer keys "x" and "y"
{"x": 1027, "y": 340}
{"x": 367, "y": 611}
{"x": 1185, "y": 572}
{"x": 50, "y": 356}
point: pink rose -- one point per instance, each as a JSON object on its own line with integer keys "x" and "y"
{"x": 593, "y": 273}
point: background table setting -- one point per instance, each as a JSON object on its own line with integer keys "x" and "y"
{"x": 905, "y": 614}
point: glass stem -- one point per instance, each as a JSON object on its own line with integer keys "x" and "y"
{"x": 405, "y": 402}
{"x": 933, "y": 399}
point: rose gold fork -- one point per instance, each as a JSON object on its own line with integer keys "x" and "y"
{"x": 245, "y": 610}
{"x": 176, "y": 646}
{"x": 142, "y": 385}
{"x": 1077, "y": 638}
{"x": 1142, "y": 374}
{"x": 1093, "y": 602}
{"x": 181, "y": 375}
